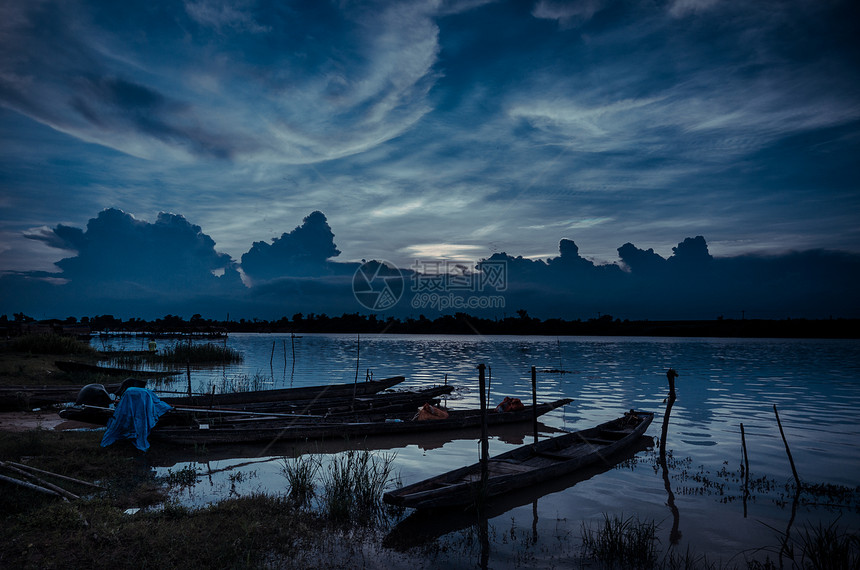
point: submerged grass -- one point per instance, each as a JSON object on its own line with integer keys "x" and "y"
{"x": 621, "y": 543}
{"x": 240, "y": 383}
{"x": 183, "y": 353}
{"x": 353, "y": 483}
{"x": 300, "y": 473}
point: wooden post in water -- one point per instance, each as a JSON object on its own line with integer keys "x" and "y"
{"x": 489, "y": 384}
{"x": 188, "y": 366}
{"x": 787, "y": 450}
{"x": 674, "y": 532}
{"x": 272, "y": 358}
{"x": 485, "y": 444}
{"x": 357, "y": 357}
{"x": 534, "y": 402}
{"x": 293, "y": 343}
{"x": 746, "y": 469}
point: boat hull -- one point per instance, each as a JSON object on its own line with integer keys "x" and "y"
{"x": 323, "y": 428}
{"x": 524, "y": 466}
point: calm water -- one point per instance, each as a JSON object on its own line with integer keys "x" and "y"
{"x": 815, "y": 384}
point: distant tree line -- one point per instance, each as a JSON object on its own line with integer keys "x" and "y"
{"x": 458, "y": 323}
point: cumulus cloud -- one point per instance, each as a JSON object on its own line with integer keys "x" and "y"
{"x": 124, "y": 265}
{"x": 118, "y": 255}
{"x": 302, "y": 252}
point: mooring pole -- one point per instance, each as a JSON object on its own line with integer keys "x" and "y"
{"x": 534, "y": 402}
{"x": 787, "y": 450}
{"x": 485, "y": 445}
{"x": 357, "y": 357}
{"x": 293, "y": 343}
{"x": 746, "y": 469}
{"x": 489, "y": 384}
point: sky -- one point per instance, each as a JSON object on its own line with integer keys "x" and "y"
{"x": 247, "y": 147}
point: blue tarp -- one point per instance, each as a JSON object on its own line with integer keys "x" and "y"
{"x": 135, "y": 415}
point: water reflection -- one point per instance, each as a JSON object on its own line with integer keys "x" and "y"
{"x": 815, "y": 383}
{"x": 674, "y": 533}
{"x": 422, "y": 527}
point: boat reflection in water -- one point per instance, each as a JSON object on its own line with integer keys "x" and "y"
{"x": 423, "y": 527}
{"x": 172, "y": 456}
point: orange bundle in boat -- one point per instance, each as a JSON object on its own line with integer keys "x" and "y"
{"x": 428, "y": 412}
{"x": 510, "y": 405}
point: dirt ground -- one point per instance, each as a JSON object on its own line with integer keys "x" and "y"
{"x": 48, "y": 419}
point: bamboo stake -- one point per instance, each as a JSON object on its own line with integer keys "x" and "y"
{"x": 31, "y": 486}
{"x": 534, "y": 403}
{"x": 746, "y": 469}
{"x": 357, "y": 359}
{"x": 40, "y": 481}
{"x": 293, "y": 344}
{"x": 485, "y": 444}
{"x": 57, "y": 475}
{"x": 787, "y": 450}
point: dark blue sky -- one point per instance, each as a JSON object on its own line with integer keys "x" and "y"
{"x": 427, "y": 130}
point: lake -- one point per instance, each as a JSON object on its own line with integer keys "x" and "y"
{"x": 815, "y": 384}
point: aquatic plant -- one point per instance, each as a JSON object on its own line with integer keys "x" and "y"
{"x": 300, "y": 473}
{"x": 623, "y": 543}
{"x": 50, "y": 344}
{"x": 182, "y": 353}
{"x": 240, "y": 383}
{"x": 353, "y": 484}
{"x": 184, "y": 477}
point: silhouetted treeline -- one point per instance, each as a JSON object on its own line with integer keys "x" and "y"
{"x": 459, "y": 323}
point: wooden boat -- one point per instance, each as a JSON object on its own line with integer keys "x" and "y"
{"x": 525, "y": 465}
{"x": 403, "y": 400}
{"x": 330, "y": 407}
{"x": 424, "y": 526}
{"x": 29, "y": 397}
{"x": 77, "y": 367}
{"x": 300, "y": 428}
{"x": 346, "y": 390}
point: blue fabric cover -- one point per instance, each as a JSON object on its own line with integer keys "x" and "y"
{"x": 136, "y": 414}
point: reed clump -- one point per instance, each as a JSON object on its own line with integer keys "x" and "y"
{"x": 301, "y": 472}
{"x": 353, "y": 484}
{"x": 50, "y": 344}
{"x": 621, "y": 543}
{"x": 241, "y": 383}
{"x": 183, "y": 353}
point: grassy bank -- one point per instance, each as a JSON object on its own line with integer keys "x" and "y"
{"x": 100, "y": 531}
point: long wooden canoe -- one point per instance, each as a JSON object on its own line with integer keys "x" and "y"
{"x": 286, "y": 394}
{"x": 373, "y": 403}
{"x": 525, "y": 465}
{"x": 348, "y": 426}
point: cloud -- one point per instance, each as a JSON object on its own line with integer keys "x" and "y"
{"x": 120, "y": 256}
{"x": 568, "y": 13}
{"x": 304, "y": 251}
{"x": 128, "y": 266}
{"x": 296, "y": 85}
